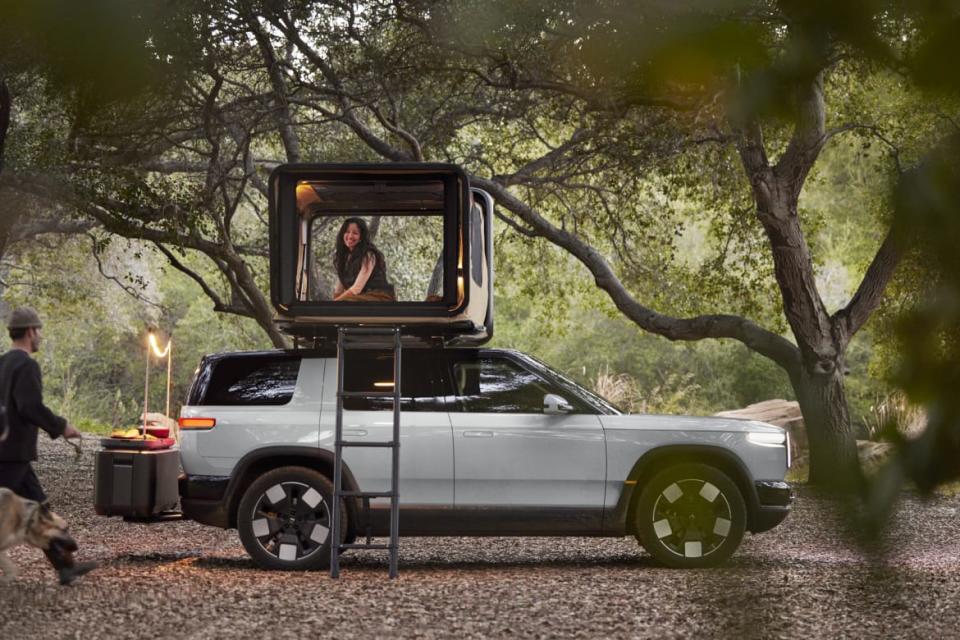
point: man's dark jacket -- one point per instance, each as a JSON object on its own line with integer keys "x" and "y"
{"x": 21, "y": 392}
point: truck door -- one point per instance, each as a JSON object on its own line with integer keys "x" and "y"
{"x": 509, "y": 453}
{"x": 426, "y": 439}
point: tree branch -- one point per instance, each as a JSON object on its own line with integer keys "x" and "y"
{"x": 864, "y": 302}
{"x": 399, "y": 131}
{"x": 130, "y": 291}
{"x": 291, "y": 142}
{"x": 546, "y": 159}
{"x": 348, "y": 113}
{"x": 753, "y": 156}
{"x": 764, "y": 342}
{"x": 35, "y": 227}
{"x": 809, "y": 134}
{"x": 218, "y": 304}
{"x": 875, "y": 132}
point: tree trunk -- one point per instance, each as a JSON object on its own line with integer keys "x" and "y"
{"x": 6, "y": 109}
{"x": 8, "y": 217}
{"x": 833, "y": 450}
{"x": 256, "y": 301}
{"x": 821, "y": 338}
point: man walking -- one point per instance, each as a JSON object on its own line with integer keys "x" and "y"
{"x": 21, "y": 396}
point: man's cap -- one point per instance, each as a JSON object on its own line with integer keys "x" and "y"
{"x": 24, "y": 318}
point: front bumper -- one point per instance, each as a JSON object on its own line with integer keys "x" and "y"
{"x": 773, "y": 505}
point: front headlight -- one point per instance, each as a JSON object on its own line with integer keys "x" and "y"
{"x": 767, "y": 438}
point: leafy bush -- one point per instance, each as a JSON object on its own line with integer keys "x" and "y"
{"x": 892, "y": 417}
{"x": 671, "y": 396}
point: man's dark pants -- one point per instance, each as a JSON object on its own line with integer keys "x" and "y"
{"x": 20, "y": 478}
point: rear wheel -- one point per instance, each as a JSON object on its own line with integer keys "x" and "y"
{"x": 690, "y": 515}
{"x": 284, "y": 519}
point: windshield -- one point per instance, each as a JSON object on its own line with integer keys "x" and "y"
{"x": 598, "y": 402}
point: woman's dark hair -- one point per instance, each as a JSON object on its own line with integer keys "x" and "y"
{"x": 344, "y": 255}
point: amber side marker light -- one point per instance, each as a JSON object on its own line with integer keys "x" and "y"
{"x": 197, "y": 423}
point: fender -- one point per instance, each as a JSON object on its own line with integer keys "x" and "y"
{"x": 239, "y": 479}
{"x": 619, "y": 519}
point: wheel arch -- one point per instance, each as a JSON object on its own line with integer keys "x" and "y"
{"x": 655, "y": 460}
{"x": 265, "y": 459}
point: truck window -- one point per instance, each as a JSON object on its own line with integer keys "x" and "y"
{"x": 497, "y": 385}
{"x": 252, "y": 381}
{"x": 372, "y": 371}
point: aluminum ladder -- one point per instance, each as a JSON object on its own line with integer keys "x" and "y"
{"x": 367, "y": 338}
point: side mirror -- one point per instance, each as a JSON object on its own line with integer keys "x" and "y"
{"x": 556, "y": 405}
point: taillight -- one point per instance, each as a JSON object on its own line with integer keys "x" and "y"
{"x": 197, "y": 423}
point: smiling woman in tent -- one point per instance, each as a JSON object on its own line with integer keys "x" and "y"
{"x": 361, "y": 268}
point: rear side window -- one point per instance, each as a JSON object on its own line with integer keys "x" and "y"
{"x": 370, "y": 371}
{"x": 253, "y": 381}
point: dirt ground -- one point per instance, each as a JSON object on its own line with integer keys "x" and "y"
{"x": 181, "y": 580}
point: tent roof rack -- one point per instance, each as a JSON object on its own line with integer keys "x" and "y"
{"x": 464, "y": 333}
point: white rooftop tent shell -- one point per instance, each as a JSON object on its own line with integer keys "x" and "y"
{"x": 431, "y": 195}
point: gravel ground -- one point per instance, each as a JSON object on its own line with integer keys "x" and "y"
{"x": 182, "y": 580}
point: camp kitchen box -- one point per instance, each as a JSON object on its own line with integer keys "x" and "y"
{"x": 136, "y": 484}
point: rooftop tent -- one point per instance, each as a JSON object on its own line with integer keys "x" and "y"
{"x": 422, "y": 257}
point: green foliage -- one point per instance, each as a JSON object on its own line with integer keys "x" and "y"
{"x": 96, "y": 52}
{"x": 929, "y": 333}
{"x": 91, "y": 426}
{"x": 893, "y": 414}
{"x": 623, "y": 390}
{"x": 93, "y": 354}
{"x": 571, "y": 325}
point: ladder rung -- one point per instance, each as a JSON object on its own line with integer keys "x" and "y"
{"x": 363, "y": 443}
{"x": 367, "y": 394}
{"x": 369, "y": 331}
{"x": 385, "y": 346}
{"x": 360, "y": 545}
{"x": 367, "y": 494}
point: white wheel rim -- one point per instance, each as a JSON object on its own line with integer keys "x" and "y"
{"x": 291, "y": 521}
{"x": 692, "y": 518}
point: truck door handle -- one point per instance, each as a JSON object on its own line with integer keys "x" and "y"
{"x": 478, "y": 434}
{"x": 354, "y": 432}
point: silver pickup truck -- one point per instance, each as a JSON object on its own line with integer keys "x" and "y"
{"x": 493, "y": 443}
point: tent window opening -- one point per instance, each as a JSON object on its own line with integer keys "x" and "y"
{"x": 372, "y": 240}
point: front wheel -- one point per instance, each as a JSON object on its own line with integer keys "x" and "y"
{"x": 284, "y": 519}
{"x": 689, "y": 516}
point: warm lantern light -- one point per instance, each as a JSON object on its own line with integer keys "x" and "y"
{"x": 383, "y": 384}
{"x": 156, "y": 347}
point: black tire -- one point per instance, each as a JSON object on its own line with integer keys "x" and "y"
{"x": 690, "y": 516}
{"x": 284, "y": 519}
